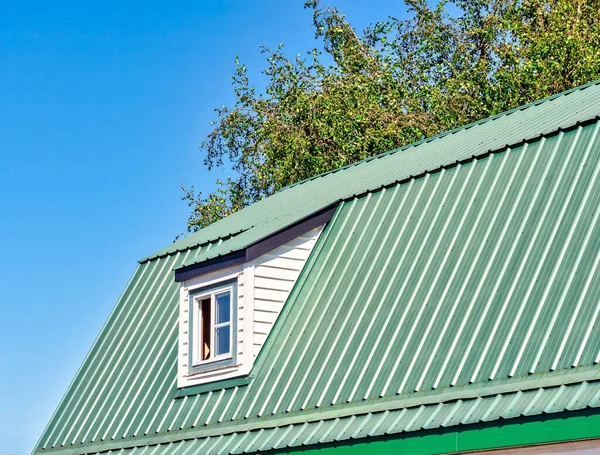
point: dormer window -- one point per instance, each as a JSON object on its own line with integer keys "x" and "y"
{"x": 214, "y": 322}
{"x": 213, "y": 317}
{"x": 226, "y": 314}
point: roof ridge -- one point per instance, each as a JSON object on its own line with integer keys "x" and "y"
{"x": 513, "y": 127}
{"x": 471, "y": 158}
{"x": 446, "y": 133}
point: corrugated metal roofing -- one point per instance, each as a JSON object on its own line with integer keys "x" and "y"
{"x": 484, "y": 270}
{"x": 299, "y": 201}
{"x": 405, "y": 420}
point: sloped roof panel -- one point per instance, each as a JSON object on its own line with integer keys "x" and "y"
{"x": 487, "y": 270}
{"x": 300, "y": 200}
{"x": 484, "y": 270}
{"x": 372, "y": 424}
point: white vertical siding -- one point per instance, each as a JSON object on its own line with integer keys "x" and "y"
{"x": 275, "y": 274}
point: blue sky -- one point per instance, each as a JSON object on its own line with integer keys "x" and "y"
{"x": 102, "y": 108}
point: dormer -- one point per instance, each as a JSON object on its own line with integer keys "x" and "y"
{"x": 229, "y": 303}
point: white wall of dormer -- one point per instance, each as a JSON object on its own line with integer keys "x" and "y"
{"x": 263, "y": 287}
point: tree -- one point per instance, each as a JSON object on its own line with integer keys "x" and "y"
{"x": 398, "y": 82}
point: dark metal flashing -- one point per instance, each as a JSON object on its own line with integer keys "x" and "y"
{"x": 229, "y": 260}
{"x": 260, "y": 247}
{"x": 289, "y": 233}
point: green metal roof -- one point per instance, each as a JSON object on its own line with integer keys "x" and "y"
{"x": 548, "y": 401}
{"x": 469, "y": 294}
{"x": 294, "y": 203}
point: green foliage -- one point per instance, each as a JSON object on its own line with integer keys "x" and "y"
{"x": 398, "y": 82}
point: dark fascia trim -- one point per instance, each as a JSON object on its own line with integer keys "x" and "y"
{"x": 290, "y": 233}
{"x": 231, "y": 259}
{"x": 260, "y": 247}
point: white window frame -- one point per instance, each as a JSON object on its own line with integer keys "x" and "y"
{"x": 197, "y": 348}
{"x": 195, "y": 328}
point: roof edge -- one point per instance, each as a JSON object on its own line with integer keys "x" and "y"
{"x": 551, "y": 379}
{"x": 159, "y": 254}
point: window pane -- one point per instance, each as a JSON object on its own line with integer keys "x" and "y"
{"x": 204, "y": 329}
{"x": 223, "y": 308}
{"x": 222, "y": 344}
